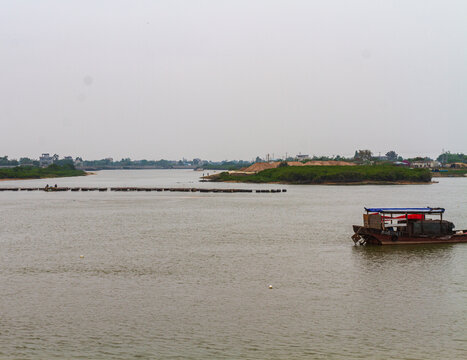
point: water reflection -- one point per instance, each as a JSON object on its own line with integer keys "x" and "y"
{"x": 402, "y": 252}
{"x": 398, "y": 262}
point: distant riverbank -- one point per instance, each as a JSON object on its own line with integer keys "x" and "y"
{"x": 32, "y": 172}
{"x": 450, "y": 173}
{"x": 331, "y": 175}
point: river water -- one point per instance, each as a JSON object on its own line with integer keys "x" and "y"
{"x": 187, "y": 275}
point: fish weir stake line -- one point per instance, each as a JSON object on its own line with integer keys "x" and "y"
{"x": 127, "y": 189}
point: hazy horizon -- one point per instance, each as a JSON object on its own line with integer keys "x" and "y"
{"x": 271, "y": 157}
{"x": 232, "y": 79}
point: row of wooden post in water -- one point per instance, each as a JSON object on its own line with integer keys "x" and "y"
{"x": 54, "y": 189}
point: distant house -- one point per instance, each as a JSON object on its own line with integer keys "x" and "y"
{"x": 420, "y": 164}
{"x": 426, "y": 164}
{"x": 26, "y": 162}
{"x": 302, "y": 157}
{"x": 45, "y": 160}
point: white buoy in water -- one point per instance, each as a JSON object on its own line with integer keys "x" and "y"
{"x": 270, "y": 286}
{"x": 81, "y": 256}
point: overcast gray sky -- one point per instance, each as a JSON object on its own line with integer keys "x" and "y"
{"x": 232, "y": 79}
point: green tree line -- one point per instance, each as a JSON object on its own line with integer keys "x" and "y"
{"x": 33, "y": 172}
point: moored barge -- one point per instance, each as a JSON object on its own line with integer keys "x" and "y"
{"x": 399, "y": 226}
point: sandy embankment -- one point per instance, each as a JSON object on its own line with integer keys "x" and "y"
{"x": 260, "y": 166}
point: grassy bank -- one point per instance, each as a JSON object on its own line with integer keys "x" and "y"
{"x": 332, "y": 175}
{"x": 33, "y": 172}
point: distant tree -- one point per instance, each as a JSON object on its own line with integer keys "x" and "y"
{"x": 419, "y": 159}
{"x": 123, "y": 162}
{"x": 26, "y": 161}
{"x": 258, "y": 159}
{"x": 4, "y": 160}
{"x": 321, "y": 158}
{"x": 163, "y": 163}
{"x": 363, "y": 155}
{"x": 63, "y": 162}
{"x": 391, "y": 155}
{"x": 449, "y": 158}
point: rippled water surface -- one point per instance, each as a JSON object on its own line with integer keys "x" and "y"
{"x": 186, "y": 275}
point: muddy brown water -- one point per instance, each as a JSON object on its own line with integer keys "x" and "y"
{"x": 171, "y": 275}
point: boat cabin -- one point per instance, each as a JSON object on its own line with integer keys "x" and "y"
{"x": 408, "y": 221}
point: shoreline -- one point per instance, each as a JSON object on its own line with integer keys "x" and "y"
{"x": 450, "y": 176}
{"x": 47, "y": 177}
{"x": 334, "y": 183}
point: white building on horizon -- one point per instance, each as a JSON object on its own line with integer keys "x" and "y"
{"x": 45, "y": 160}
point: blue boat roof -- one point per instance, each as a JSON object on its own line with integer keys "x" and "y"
{"x": 426, "y": 210}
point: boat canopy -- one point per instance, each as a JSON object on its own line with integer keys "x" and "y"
{"x": 426, "y": 210}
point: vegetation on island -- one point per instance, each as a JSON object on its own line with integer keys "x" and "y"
{"x": 332, "y": 174}
{"x": 34, "y": 172}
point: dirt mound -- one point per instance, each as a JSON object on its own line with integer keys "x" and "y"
{"x": 295, "y": 163}
{"x": 458, "y": 165}
{"x": 260, "y": 166}
{"x": 329, "y": 163}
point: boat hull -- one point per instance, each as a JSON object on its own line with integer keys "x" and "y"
{"x": 375, "y": 237}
